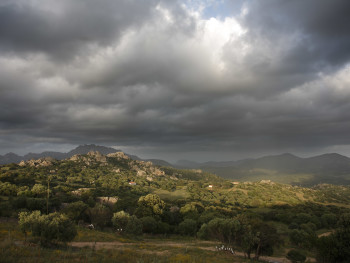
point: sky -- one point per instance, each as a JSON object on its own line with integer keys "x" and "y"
{"x": 196, "y": 80}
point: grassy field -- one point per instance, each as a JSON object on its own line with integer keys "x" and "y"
{"x": 96, "y": 246}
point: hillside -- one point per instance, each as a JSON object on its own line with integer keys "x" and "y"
{"x": 285, "y": 168}
{"x": 116, "y": 170}
{"x": 107, "y": 190}
{"x": 82, "y": 149}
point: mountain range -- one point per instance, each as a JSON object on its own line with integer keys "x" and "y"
{"x": 82, "y": 149}
{"x": 330, "y": 168}
{"x": 284, "y": 168}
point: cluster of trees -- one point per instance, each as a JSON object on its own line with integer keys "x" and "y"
{"x": 251, "y": 235}
{"x": 54, "y": 227}
{"x": 336, "y": 246}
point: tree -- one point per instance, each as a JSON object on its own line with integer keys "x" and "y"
{"x": 327, "y": 250}
{"x": 188, "y": 227}
{"x": 8, "y": 189}
{"x": 153, "y": 203}
{"x": 299, "y": 238}
{"x": 162, "y": 228}
{"x": 190, "y": 211}
{"x": 335, "y": 247}
{"x": 328, "y": 220}
{"x": 50, "y": 228}
{"x": 75, "y": 210}
{"x": 134, "y": 226}
{"x": 225, "y": 230}
{"x": 39, "y": 190}
{"x": 203, "y": 232}
{"x": 296, "y": 256}
{"x": 100, "y": 215}
{"x": 120, "y": 220}
{"x": 304, "y": 238}
{"x": 266, "y": 238}
{"x": 149, "y": 224}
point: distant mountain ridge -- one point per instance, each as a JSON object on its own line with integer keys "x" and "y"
{"x": 284, "y": 161}
{"x": 329, "y": 168}
{"x": 285, "y": 168}
{"x": 82, "y": 149}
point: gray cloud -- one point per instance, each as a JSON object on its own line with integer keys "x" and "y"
{"x": 320, "y": 27}
{"x": 65, "y": 28}
{"x": 159, "y": 79}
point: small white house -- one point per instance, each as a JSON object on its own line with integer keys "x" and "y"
{"x": 132, "y": 183}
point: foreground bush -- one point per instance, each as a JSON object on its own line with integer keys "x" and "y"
{"x": 296, "y": 256}
{"x": 50, "y": 228}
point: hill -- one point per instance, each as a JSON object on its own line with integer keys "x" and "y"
{"x": 123, "y": 197}
{"x": 116, "y": 171}
{"x": 285, "y": 168}
{"x": 82, "y": 149}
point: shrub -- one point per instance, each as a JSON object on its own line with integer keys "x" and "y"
{"x": 50, "y": 228}
{"x": 99, "y": 215}
{"x": 75, "y": 210}
{"x": 149, "y": 224}
{"x": 296, "y": 256}
{"x": 188, "y": 227}
{"x": 120, "y": 220}
{"x": 134, "y": 226}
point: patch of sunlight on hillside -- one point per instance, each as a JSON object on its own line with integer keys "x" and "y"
{"x": 257, "y": 175}
{"x": 177, "y": 194}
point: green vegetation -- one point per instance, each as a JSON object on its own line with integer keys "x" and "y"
{"x": 49, "y": 228}
{"x": 58, "y": 202}
{"x": 296, "y": 256}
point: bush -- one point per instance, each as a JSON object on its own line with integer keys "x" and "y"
{"x": 39, "y": 190}
{"x": 120, "y": 220}
{"x": 203, "y": 232}
{"x": 188, "y": 227}
{"x": 163, "y": 228}
{"x": 149, "y": 224}
{"x": 50, "y": 228}
{"x": 75, "y": 210}
{"x": 36, "y": 204}
{"x": 99, "y": 215}
{"x": 296, "y": 256}
{"x": 134, "y": 226}
{"x": 153, "y": 202}
{"x": 8, "y": 189}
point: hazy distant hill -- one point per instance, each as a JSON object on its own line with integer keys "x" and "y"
{"x": 82, "y": 149}
{"x": 187, "y": 164}
{"x": 10, "y": 158}
{"x": 330, "y": 168}
{"x": 159, "y": 162}
{"x": 55, "y": 155}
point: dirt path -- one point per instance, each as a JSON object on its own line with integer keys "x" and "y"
{"x": 144, "y": 245}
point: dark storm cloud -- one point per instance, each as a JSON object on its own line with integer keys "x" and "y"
{"x": 157, "y": 76}
{"x": 321, "y": 27}
{"x": 64, "y": 27}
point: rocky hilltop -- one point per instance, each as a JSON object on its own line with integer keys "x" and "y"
{"x": 115, "y": 161}
{"x": 82, "y": 149}
{"x": 46, "y": 161}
